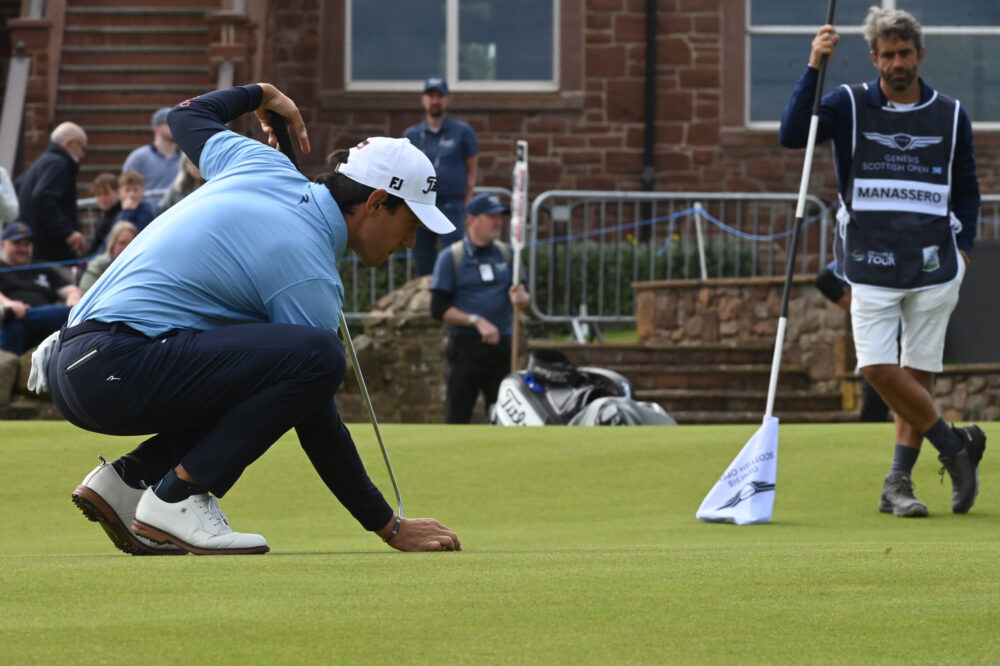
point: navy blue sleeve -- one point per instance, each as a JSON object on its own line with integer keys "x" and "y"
{"x": 440, "y": 302}
{"x": 835, "y": 121}
{"x": 834, "y": 108}
{"x": 964, "y": 184}
{"x": 194, "y": 121}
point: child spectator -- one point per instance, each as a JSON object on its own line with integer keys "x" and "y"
{"x": 105, "y": 190}
{"x": 121, "y": 235}
{"x": 131, "y": 190}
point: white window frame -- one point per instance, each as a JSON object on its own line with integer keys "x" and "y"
{"x": 451, "y": 68}
{"x": 750, "y": 31}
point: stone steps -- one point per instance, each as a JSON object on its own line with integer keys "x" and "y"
{"x": 122, "y": 61}
{"x": 736, "y": 376}
{"x": 711, "y": 383}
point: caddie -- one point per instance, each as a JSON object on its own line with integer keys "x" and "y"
{"x": 909, "y": 204}
{"x": 215, "y": 331}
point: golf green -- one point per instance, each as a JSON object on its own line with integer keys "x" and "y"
{"x": 580, "y": 546}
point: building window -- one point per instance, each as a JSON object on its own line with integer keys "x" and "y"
{"x": 478, "y": 45}
{"x": 961, "y": 39}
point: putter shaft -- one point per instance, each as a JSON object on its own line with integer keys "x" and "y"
{"x": 371, "y": 411}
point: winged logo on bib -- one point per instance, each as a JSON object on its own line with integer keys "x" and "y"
{"x": 903, "y": 141}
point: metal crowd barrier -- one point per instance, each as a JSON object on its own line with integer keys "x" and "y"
{"x": 586, "y": 248}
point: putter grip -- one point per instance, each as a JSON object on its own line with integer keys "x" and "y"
{"x": 281, "y": 134}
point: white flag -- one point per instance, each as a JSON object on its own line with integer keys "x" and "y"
{"x": 745, "y": 493}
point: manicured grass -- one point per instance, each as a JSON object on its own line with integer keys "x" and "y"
{"x": 581, "y": 546}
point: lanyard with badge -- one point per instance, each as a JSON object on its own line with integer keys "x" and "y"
{"x": 486, "y": 274}
{"x": 423, "y": 144}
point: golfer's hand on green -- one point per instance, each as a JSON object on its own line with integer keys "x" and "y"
{"x": 420, "y": 534}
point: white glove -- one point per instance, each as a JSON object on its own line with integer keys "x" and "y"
{"x": 38, "y": 380}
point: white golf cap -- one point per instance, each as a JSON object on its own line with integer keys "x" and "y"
{"x": 399, "y": 168}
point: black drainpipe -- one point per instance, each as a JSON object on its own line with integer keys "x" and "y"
{"x": 648, "y": 167}
{"x": 649, "y": 136}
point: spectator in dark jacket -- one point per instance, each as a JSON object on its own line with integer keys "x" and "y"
{"x": 47, "y": 196}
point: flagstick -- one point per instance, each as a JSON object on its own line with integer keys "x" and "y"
{"x": 799, "y": 215}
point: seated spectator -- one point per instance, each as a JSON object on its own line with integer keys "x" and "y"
{"x": 29, "y": 297}
{"x": 121, "y": 235}
{"x": 131, "y": 190}
{"x": 9, "y": 205}
{"x": 105, "y": 190}
{"x": 187, "y": 181}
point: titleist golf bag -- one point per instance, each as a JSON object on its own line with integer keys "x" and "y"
{"x": 555, "y": 391}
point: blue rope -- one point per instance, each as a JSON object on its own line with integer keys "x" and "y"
{"x": 48, "y": 264}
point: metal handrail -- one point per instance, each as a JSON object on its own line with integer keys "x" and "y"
{"x": 13, "y": 107}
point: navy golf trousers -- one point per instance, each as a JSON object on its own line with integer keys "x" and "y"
{"x": 216, "y": 400}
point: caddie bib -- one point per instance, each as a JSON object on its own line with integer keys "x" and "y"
{"x": 895, "y": 224}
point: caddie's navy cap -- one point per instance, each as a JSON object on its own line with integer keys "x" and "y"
{"x": 16, "y": 231}
{"x": 485, "y": 204}
{"x": 436, "y": 83}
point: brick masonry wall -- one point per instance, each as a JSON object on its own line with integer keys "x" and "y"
{"x": 590, "y": 135}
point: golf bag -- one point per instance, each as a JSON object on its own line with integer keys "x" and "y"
{"x": 555, "y": 391}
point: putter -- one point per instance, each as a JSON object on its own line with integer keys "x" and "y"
{"x": 286, "y": 147}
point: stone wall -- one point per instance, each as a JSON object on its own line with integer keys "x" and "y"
{"x": 741, "y": 312}
{"x": 401, "y": 349}
{"x": 817, "y": 336}
{"x": 401, "y": 355}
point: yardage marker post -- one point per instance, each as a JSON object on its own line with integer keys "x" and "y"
{"x": 518, "y": 222}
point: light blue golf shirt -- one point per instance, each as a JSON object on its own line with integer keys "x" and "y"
{"x": 257, "y": 243}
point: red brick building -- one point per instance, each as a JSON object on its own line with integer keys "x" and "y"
{"x": 586, "y": 129}
{"x": 588, "y": 134}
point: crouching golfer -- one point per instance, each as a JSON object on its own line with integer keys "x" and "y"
{"x": 215, "y": 330}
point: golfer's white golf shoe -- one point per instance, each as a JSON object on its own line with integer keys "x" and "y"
{"x": 106, "y": 499}
{"x": 196, "y": 524}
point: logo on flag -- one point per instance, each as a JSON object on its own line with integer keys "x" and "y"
{"x": 744, "y": 494}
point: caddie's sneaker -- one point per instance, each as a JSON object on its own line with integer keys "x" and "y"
{"x": 963, "y": 468}
{"x": 898, "y": 498}
{"x": 107, "y": 500}
{"x": 196, "y": 524}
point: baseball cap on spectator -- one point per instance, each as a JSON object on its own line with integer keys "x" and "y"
{"x": 401, "y": 169}
{"x": 436, "y": 83}
{"x": 486, "y": 204}
{"x": 160, "y": 116}
{"x": 16, "y": 231}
